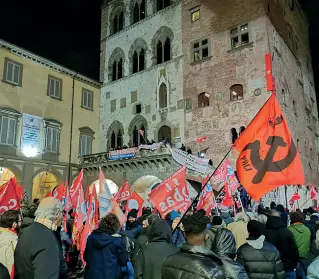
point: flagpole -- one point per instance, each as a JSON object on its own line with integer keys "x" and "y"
{"x": 304, "y": 203}
{"x": 196, "y": 199}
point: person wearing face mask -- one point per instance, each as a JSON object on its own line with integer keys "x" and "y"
{"x": 39, "y": 253}
{"x": 10, "y": 226}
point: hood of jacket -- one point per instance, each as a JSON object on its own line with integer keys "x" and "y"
{"x": 256, "y": 243}
{"x": 300, "y": 228}
{"x": 102, "y": 238}
{"x": 7, "y": 236}
{"x": 225, "y": 215}
{"x": 274, "y": 223}
{"x": 160, "y": 231}
{"x": 224, "y": 243}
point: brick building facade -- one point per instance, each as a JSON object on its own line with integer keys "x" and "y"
{"x": 213, "y": 73}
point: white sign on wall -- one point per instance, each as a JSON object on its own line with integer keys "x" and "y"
{"x": 30, "y": 136}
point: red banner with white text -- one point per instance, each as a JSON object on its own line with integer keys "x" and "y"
{"x": 171, "y": 194}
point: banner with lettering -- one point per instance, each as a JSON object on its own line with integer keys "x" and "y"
{"x": 219, "y": 177}
{"x": 124, "y": 193}
{"x": 30, "y": 134}
{"x": 152, "y": 147}
{"x": 190, "y": 161}
{"x": 122, "y": 154}
{"x": 171, "y": 194}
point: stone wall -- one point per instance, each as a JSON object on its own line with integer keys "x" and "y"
{"x": 119, "y": 98}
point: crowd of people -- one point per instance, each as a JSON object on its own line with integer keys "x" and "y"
{"x": 267, "y": 243}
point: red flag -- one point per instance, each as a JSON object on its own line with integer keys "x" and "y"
{"x": 134, "y": 202}
{"x": 294, "y": 197}
{"x": 230, "y": 178}
{"x": 59, "y": 191}
{"x": 95, "y": 202}
{"x": 207, "y": 199}
{"x": 87, "y": 229}
{"x": 313, "y": 193}
{"x": 201, "y": 139}
{"x": 268, "y": 156}
{"x": 269, "y": 76}
{"x": 124, "y": 193}
{"x": 80, "y": 214}
{"x": 9, "y": 200}
{"x": 228, "y": 198}
{"x": 141, "y": 132}
{"x": 171, "y": 194}
{"x": 118, "y": 212}
{"x": 21, "y": 191}
{"x": 75, "y": 187}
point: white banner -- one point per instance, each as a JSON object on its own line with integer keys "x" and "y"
{"x": 152, "y": 147}
{"x": 30, "y": 136}
{"x": 190, "y": 161}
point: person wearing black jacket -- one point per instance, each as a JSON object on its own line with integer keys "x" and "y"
{"x": 193, "y": 260}
{"x": 261, "y": 259}
{"x": 278, "y": 234}
{"x": 4, "y": 274}
{"x": 149, "y": 261}
{"x": 38, "y": 254}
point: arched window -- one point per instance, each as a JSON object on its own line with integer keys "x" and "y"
{"x": 162, "y": 4}
{"x": 115, "y": 135}
{"x": 236, "y": 92}
{"x": 139, "y": 11}
{"x": 162, "y": 96}
{"x": 203, "y": 100}
{"x": 159, "y": 53}
{"x": 113, "y": 140}
{"x": 116, "y": 65}
{"x": 234, "y": 134}
{"x": 167, "y": 50}
{"x": 118, "y": 23}
{"x": 137, "y": 131}
{"x": 137, "y": 55}
{"x": 119, "y": 142}
{"x": 241, "y": 130}
{"x": 138, "y": 136}
{"x": 163, "y": 51}
{"x": 138, "y": 61}
{"x": 162, "y": 45}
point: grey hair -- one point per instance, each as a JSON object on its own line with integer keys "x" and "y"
{"x": 262, "y": 218}
{"x": 48, "y": 208}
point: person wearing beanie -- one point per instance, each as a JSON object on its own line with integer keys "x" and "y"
{"x": 226, "y": 215}
{"x": 178, "y": 237}
{"x": 257, "y": 251}
{"x": 217, "y": 223}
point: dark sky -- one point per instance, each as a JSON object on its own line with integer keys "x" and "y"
{"x": 65, "y": 31}
{"x": 68, "y": 31}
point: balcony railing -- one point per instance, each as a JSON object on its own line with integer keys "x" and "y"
{"x": 102, "y": 158}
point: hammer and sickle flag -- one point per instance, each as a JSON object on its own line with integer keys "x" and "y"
{"x": 268, "y": 156}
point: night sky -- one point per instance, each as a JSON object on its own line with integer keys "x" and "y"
{"x": 68, "y": 31}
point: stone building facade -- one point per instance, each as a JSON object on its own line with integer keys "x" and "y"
{"x": 142, "y": 73}
{"x": 214, "y": 75}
